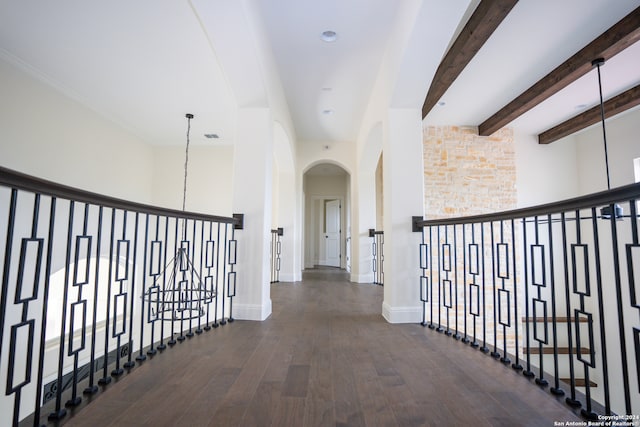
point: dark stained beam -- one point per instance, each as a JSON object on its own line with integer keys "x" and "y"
{"x": 613, "y": 41}
{"x": 615, "y": 105}
{"x": 483, "y": 22}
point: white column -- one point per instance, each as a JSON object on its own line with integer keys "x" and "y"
{"x": 290, "y": 270}
{"x": 364, "y": 218}
{"x": 252, "y": 186}
{"x": 403, "y": 177}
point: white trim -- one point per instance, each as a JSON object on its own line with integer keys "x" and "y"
{"x": 289, "y": 277}
{"x": 362, "y": 278}
{"x": 412, "y": 314}
{"x": 252, "y": 311}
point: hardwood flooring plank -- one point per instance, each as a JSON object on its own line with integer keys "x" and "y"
{"x": 325, "y": 357}
{"x": 297, "y": 381}
{"x": 262, "y": 408}
{"x": 290, "y": 412}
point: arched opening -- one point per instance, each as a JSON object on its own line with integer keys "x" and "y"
{"x": 326, "y": 189}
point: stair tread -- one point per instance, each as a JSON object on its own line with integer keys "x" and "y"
{"x": 561, "y": 350}
{"x": 580, "y": 382}
{"x": 559, "y": 319}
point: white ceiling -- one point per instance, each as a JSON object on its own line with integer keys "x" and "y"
{"x": 145, "y": 63}
{"x": 536, "y": 37}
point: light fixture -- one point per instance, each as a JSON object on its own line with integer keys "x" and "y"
{"x": 329, "y": 36}
{"x": 184, "y": 295}
{"x": 442, "y": 103}
{"x": 211, "y": 135}
{"x": 605, "y": 212}
{"x": 327, "y": 112}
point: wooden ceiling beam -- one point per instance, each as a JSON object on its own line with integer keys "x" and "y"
{"x": 482, "y": 23}
{"x": 613, "y": 41}
{"x": 615, "y": 105}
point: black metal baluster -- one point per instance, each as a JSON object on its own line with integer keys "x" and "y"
{"x": 24, "y": 297}
{"x": 446, "y": 282}
{"x": 178, "y": 269}
{"x": 556, "y": 390}
{"x": 571, "y": 400}
{"x": 274, "y": 237}
{"x": 484, "y": 347}
{"x": 633, "y": 277}
{"x": 586, "y": 363}
{"x": 121, "y": 278}
{"x": 202, "y": 285}
{"x": 541, "y": 381}
{"x": 621, "y": 330}
{"x": 193, "y": 284}
{"x": 381, "y": 260}
{"x": 43, "y": 314}
{"x": 75, "y": 399}
{"x": 496, "y": 305}
{"x": 7, "y": 262}
{"x": 141, "y": 357}
{"x": 5, "y": 282}
{"x": 223, "y": 321}
{"x": 424, "y": 279}
{"x": 106, "y": 379}
{"x": 455, "y": 279}
{"x": 92, "y": 388}
{"x": 527, "y": 372}
{"x": 516, "y": 365}
{"x": 503, "y": 275}
{"x": 465, "y": 339}
{"x": 159, "y": 304}
{"x": 59, "y": 412}
{"x": 231, "y": 279}
{"x": 439, "y": 253}
{"x": 430, "y": 262}
{"x": 217, "y": 268}
{"x": 210, "y": 263}
{"x": 130, "y": 363}
{"x": 474, "y": 271}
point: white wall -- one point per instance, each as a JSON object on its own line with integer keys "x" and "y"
{"x": 209, "y": 178}
{"x": 623, "y": 145}
{"x": 544, "y": 173}
{"x": 46, "y": 134}
{"x": 575, "y": 165}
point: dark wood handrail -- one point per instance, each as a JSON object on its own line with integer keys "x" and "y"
{"x": 21, "y": 181}
{"x": 603, "y": 198}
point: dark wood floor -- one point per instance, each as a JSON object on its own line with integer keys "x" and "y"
{"x": 325, "y": 357}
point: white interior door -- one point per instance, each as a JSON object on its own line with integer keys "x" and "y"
{"x": 332, "y": 233}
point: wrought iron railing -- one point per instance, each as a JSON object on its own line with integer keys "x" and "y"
{"x": 276, "y": 251}
{"x": 377, "y": 252}
{"x": 92, "y": 285}
{"x": 552, "y": 291}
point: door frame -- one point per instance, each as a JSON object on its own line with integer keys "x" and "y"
{"x": 316, "y": 225}
{"x": 326, "y": 250}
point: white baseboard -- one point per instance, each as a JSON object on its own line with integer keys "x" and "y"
{"x": 412, "y": 314}
{"x": 290, "y": 277}
{"x": 361, "y": 278}
{"x": 252, "y": 311}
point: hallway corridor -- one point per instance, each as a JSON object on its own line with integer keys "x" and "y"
{"x": 325, "y": 357}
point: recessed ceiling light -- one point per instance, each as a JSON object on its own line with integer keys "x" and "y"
{"x": 580, "y": 106}
{"x": 211, "y": 135}
{"x": 329, "y": 36}
{"x": 327, "y": 112}
{"x": 442, "y": 103}
{"x": 327, "y": 89}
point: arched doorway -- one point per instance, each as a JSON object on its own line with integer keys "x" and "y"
{"x": 326, "y": 188}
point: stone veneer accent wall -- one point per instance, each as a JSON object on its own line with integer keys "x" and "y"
{"x": 466, "y": 174}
